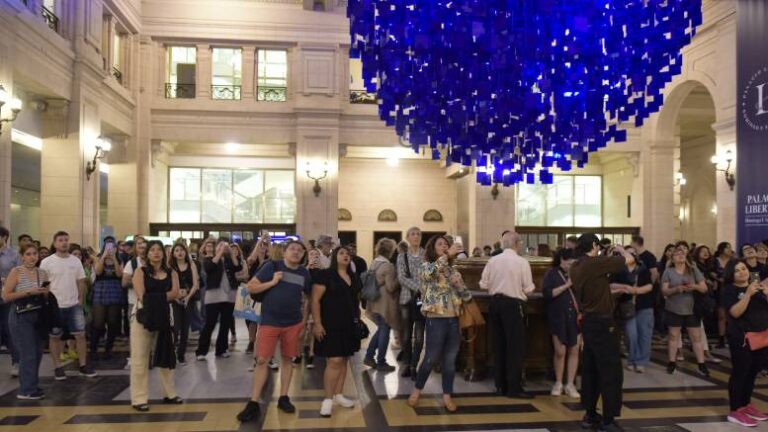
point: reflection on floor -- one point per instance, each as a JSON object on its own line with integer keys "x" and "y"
{"x": 216, "y": 389}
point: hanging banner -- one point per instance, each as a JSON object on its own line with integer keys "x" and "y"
{"x": 752, "y": 118}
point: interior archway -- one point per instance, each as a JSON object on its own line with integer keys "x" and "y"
{"x": 696, "y": 192}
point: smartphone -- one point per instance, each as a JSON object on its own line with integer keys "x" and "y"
{"x": 109, "y": 247}
{"x": 754, "y": 277}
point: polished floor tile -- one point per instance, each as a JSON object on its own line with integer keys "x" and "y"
{"x": 216, "y": 389}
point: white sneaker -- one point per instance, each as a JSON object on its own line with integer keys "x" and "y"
{"x": 557, "y": 389}
{"x": 640, "y": 369}
{"x": 14, "y": 370}
{"x": 571, "y": 392}
{"x": 326, "y": 408}
{"x": 252, "y": 367}
{"x": 200, "y": 358}
{"x": 344, "y": 401}
{"x": 273, "y": 365}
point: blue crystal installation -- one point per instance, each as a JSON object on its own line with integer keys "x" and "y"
{"x": 518, "y": 87}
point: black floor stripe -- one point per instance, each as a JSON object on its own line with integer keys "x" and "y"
{"x": 478, "y": 409}
{"x": 678, "y": 403}
{"x": 136, "y": 418}
{"x": 20, "y": 420}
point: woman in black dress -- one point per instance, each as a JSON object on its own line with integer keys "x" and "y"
{"x": 561, "y": 314}
{"x": 335, "y": 306}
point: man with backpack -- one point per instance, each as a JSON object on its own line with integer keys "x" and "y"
{"x": 283, "y": 285}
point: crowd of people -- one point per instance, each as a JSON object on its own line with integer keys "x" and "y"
{"x": 312, "y": 301}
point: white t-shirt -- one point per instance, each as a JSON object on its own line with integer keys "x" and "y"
{"x": 64, "y": 274}
{"x": 128, "y": 270}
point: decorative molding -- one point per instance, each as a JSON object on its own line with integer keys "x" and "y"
{"x": 633, "y": 159}
{"x": 433, "y": 216}
{"x": 344, "y": 215}
{"x": 387, "y": 215}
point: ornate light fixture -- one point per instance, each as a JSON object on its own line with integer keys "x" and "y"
{"x": 523, "y": 86}
{"x": 103, "y": 146}
{"x": 723, "y": 163}
{"x": 317, "y": 173}
{"x": 15, "y": 104}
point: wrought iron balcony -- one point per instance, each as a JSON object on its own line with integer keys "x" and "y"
{"x": 50, "y": 18}
{"x": 272, "y": 94}
{"x": 227, "y": 92}
{"x": 362, "y": 97}
{"x": 180, "y": 91}
{"x": 117, "y": 74}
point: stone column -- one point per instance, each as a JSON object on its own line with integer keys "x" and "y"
{"x": 123, "y": 195}
{"x": 249, "y": 72}
{"x": 659, "y": 220}
{"x": 204, "y": 70}
{"x": 317, "y": 142}
{"x": 6, "y": 79}
{"x": 69, "y": 200}
{"x": 725, "y": 137}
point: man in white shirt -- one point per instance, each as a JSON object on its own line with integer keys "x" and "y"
{"x": 140, "y": 247}
{"x": 324, "y": 244}
{"x": 507, "y": 277}
{"x": 67, "y": 277}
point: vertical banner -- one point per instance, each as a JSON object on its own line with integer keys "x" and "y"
{"x": 752, "y": 119}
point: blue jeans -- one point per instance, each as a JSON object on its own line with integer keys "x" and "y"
{"x": 639, "y": 332}
{"x": 443, "y": 338}
{"x": 5, "y": 332}
{"x": 29, "y": 343}
{"x": 196, "y": 319}
{"x": 379, "y": 341}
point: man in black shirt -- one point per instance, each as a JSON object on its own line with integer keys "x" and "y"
{"x": 646, "y": 257}
{"x": 602, "y": 373}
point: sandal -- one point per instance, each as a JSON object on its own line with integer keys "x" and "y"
{"x": 413, "y": 400}
{"x": 450, "y": 406}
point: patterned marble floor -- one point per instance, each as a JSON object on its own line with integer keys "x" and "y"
{"x": 216, "y": 389}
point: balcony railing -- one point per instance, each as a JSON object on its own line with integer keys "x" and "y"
{"x": 50, "y": 18}
{"x": 362, "y": 97}
{"x": 117, "y": 74}
{"x": 272, "y": 94}
{"x": 180, "y": 91}
{"x": 226, "y": 92}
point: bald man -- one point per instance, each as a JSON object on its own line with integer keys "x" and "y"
{"x": 507, "y": 277}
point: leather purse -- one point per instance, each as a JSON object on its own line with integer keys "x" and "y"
{"x": 471, "y": 316}
{"x": 756, "y": 340}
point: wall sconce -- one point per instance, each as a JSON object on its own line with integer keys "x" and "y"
{"x": 495, "y": 191}
{"x": 102, "y": 147}
{"x": 15, "y": 105}
{"x": 680, "y": 179}
{"x": 725, "y": 160}
{"x": 317, "y": 173}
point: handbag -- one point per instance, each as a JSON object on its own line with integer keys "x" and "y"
{"x": 470, "y": 319}
{"x": 756, "y": 340}
{"x": 361, "y": 330}
{"x": 32, "y": 303}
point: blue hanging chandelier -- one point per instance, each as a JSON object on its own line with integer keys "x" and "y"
{"x": 518, "y": 87}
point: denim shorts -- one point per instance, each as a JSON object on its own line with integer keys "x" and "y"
{"x": 72, "y": 319}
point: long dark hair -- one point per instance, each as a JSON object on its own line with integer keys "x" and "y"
{"x": 149, "y": 268}
{"x": 721, "y": 247}
{"x": 335, "y": 259}
{"x": 187, "y": 260}
{"x": 730, "y": 270}
{"x": 430, "y": 254}
{"x": 664, "y": 258}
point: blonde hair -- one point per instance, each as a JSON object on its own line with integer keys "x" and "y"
{"x": 385, "y": 247}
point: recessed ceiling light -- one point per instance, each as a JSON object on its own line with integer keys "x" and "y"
{"x": 232, "y": 147}
{"x": 393, "y": 161}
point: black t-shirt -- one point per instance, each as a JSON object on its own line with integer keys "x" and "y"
{"x": 754, "y": 319}
{"x": 641, "y": 276}
{"x": 648, "y": 259}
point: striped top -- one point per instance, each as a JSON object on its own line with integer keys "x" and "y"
{"x": 25, "y": 283}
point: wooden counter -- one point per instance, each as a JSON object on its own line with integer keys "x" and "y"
{"x": 476, "y": 357}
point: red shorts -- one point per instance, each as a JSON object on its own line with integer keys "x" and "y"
{"x": 267, "y": 337}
